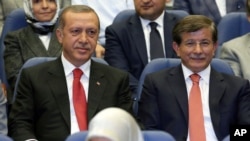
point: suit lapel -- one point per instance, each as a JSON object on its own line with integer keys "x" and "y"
{"x": 216, "y": 91}
{"x": 213, "y": 9}
{"x": 54, "y": 46}
{"x": 97, "y": 85}
{"x": 33, "y": 43}
{"x": 169, "y": 23}
{"x": 57, "y": 83}
{"x": 37, "y": 47}
{"x": 180, "y": 90}
{"x": 138, "y": 37}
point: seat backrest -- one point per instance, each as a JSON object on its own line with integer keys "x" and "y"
{"x": 15, "y": 20}
{"x": 148, "y": 136}
{"x": 5, "y": 138}
{"x": 227, "y": 138}
{"x": 164, "y": 63}
{"x": 154, "y": 135}
{"x": 31, "y": 62}
{"x": 232, "y": 25}
{"x": 125, "y": 14}
{"x": 100, "y": 60}
{"x": 38, "y": 60}
{"x": 79, "y": 136}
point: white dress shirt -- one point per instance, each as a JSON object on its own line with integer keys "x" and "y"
{"x": 68, "y": 68}
{"x": 204, "y": 88}
{"x": 147, "y": 29}
{"x": 221, "y": 4}
{"x": 45, "y": 40}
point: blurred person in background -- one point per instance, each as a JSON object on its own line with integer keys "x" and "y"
{"x": 214, "y": 9}
{"x": 237, "y": 51}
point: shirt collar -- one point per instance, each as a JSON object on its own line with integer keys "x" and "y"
{"x": 159, "y": 21}
{"x": 68, "y": 67}
{"x": 205, "y": 74}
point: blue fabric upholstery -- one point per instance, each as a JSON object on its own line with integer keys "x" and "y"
{"x": 157, "y": 136}
{"x": 15, "y": 20}
{"x": 148, "y": 136}
{"x": 31, "y": 62}
{"x": 124, "y": 15}
{"x": 232, "y": 25}
{"x": 38, "y": 60}
{"x": 79, "y": 136}
{"x": 227, "y": 138}
{"x": 164, "y": 63}
{"x": 5, "y": 138}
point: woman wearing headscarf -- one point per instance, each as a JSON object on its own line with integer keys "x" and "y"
{"x": 38, "y": 39}
{"x": 114, "y": 124}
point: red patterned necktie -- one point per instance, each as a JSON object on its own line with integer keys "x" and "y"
{"x": 79, "y": 100}
{"x": 196, "y": 120}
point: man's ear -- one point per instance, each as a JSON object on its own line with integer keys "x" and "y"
{"x": 59, "y": 35}
{"x": 176, "y": 48}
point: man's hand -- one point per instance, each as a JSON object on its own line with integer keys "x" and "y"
{"x": 4, "y": 89}
{"x": 99, "y": 51}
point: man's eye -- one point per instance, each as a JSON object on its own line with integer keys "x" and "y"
{"x": 190, "y": 44}
{"x": 36, "y": 1}
{"x": 91, "y": 32}
{"x": 204, "y": 44}
{"x": 75, "y": 32}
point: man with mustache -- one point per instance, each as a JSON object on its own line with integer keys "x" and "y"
{"x": 173, "y": 101}
{"x": 47, "y": 101}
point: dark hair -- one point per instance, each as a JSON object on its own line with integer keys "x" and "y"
{"x": 193, "y": 23}
{"x": 248, "y": 7}
{"x": 75, "y": 9}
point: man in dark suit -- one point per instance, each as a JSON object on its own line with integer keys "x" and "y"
{"x": 44, "y": 109}
{"x": 214, "y": 9}
{"x": 128, "y": 44}
{"x": 166, "y": 95}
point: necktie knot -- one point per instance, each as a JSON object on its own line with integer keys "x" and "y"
{"x": 195, "y": 78}
{"x": 77, "y": 73}
{"x": 153, "y": 25}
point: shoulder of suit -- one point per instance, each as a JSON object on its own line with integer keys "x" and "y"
{"x": 107, "y": 68}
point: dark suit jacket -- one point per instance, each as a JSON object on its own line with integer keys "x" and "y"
{"x": 126, "y": 45}
{"x": 209, "y": 7}
{"x": 164, "y": 102}
{"x": 22, "y": 45}
{"x": 42, "y": 109}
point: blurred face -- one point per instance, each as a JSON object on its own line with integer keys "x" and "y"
{"x": 99, "y": 139}
{"x": 196, "y": 49}
{"x": 149, "y": 9}
{"x": 44, "y": 10}
{"x": 78, "y": 36}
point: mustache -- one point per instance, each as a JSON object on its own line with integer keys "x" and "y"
{"x": 197, "y": 56}
{"x": 82, "y": 46}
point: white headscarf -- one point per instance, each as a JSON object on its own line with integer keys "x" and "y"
{"x": 115, "y": 124}
{"x": 30, "y": 18}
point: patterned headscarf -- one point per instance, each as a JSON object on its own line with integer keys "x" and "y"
{"x": 37, "y": 25}
{"x": 114, "y": 124}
